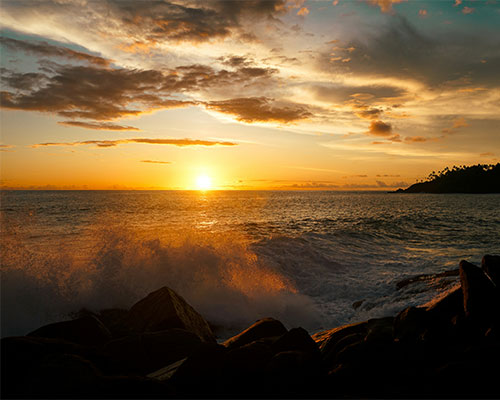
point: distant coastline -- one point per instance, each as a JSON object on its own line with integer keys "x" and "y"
{"x": 480, "y": 178}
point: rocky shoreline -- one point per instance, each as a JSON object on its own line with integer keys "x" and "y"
{"x": 163, "y": 348}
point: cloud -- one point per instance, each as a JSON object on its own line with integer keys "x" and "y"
{"x": 143, "y": 25}
{"x": 49, "y": 50}
{"x": 303, "y": 11}
{"x": 113, "y": 143}
{"x": 372, "y": 113}
{"x": 457, "y": 124}
{"x": 385, "y": 5}
{"x": 468, "y": 10}
{"x": 100, "y": 126}
{"x": 102, "y": 94}
{"x": 416, "y": 139}
{"x": 379, "y": 128}
{"x": 457, "y": 3}
{"x": 260, "y": 109}
{"x": 422, "y": 12}
{"x": 155, "y": 162}
{"x": 398, "y": 51}
{"x": 487, "y": 154}
{"x": 6, "y": 147}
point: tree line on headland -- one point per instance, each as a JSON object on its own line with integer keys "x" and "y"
{"x": 480, "y": 178}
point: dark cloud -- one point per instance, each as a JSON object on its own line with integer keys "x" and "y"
{"x": 155, "y": 162}
{"x": 400, "y": 50}
{"x": 260, "y": 109}
{"x": 100, "y": 126}
{"x": 372, "y": 113}
{"x": 339, "y": 94}
{"x": 113, "y": 143}
{"x": 102, "y": 94}
{"x": 379, "y": 128}
{"x": 416, "y": 139}
{"x": 49, "y": 50}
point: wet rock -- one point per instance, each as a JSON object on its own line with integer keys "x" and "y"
{"x": 409, "y": 324}
{"x": 249, "y": 359}
{"x": 263, "y": 328}
{"x": 328, "y": 339}
{"x": 380, "y": 330}
{"x": 165, "y": 309}
{"x": 112, "y": 318}
{"x": 296, "y": 339}
{"x": 33, "y": 367}
{"x": 491, "y": 265}
{"x": 479, "y": 293}
{"x": 147, "y": 352}
{"x": 86, "y": 330}
{"x": 203, "y": 372}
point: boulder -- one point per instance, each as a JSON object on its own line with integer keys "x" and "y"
{"x": 491, "y": 265}
{"x": 203, "y": 372}
{"x": 380, "y": 330}
{"x": 263, "y": 328}
{"x": 479, "y": 293}
{"x": 165, "y": 309}
{"x": 34, "y": 367}
{"x": 296, "y": 339}
{"x": 249, "y": 359}
{"x": 147, "y": 352}
{"x": 327, "y": 339}
{"x": 409, "y": 324}
{"x": 86, "y": 330}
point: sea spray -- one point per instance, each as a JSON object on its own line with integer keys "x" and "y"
{"x": 218, "y": 274}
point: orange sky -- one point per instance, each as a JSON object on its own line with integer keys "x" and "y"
{"x": 344, "y": 95}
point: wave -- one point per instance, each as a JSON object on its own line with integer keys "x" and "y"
{"x": 217, "y": 273}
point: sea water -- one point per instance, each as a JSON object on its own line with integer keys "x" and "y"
{"x": 303, "y": 257}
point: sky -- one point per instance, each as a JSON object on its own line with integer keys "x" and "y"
{"x": 257, "y": 94}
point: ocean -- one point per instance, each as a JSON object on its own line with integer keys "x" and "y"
{"x": 316, "y": 259}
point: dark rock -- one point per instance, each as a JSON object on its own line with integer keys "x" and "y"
{"x": 491, "y": 265}
{"x": 33, "y": 367}
{"x": 86, "y": 330}
{"x": 165, "y": 309}
{"x": 165, "y": 373}
{"x": 147, "y": 352}
{"x": 266, "y": 327}
{"x": 296, "y": 339}
{"x": 380, "y": 330}
{"x": 248, "y": 359}
{"x": 112, "y": 318}
{"x": 479, "y": 294}
{"x": 328, "y": 339}
{"x": 203, "y": 372}
{"x": 409, "y": 324}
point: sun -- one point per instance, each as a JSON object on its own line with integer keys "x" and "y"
{"x": 203, "y": 182}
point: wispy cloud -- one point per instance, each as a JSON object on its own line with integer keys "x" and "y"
{"x": 49, "y": 50}
{"x": 99, "y": 126}
{"x": 113, "y": 143}
{"x": 155, "y": 162}
{"x": 260, "y": 109}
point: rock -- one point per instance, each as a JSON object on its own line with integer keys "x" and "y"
{"x": 165, "y": 309}
{"x": 165, "y": 373}
{"x": 380, "y": 330}
{"x": 147, "y": 352}
{"x": 479, "y": 293}
{"x": 266, "y": 327}
{"x": 491, "y": 265}
{"x": 34, "y": 367}
{"x": 112, "y": 318}
{"x": 202, "y": 373}
{"x": 247, "y": 360}
{"x": 296, "y": 339}
{"x": 86, "y": 330}
{"x": 409, "y": 324}
{"x": 327, "y": 339}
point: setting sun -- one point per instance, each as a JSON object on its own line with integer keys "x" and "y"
{"x": 203, "y": 182}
